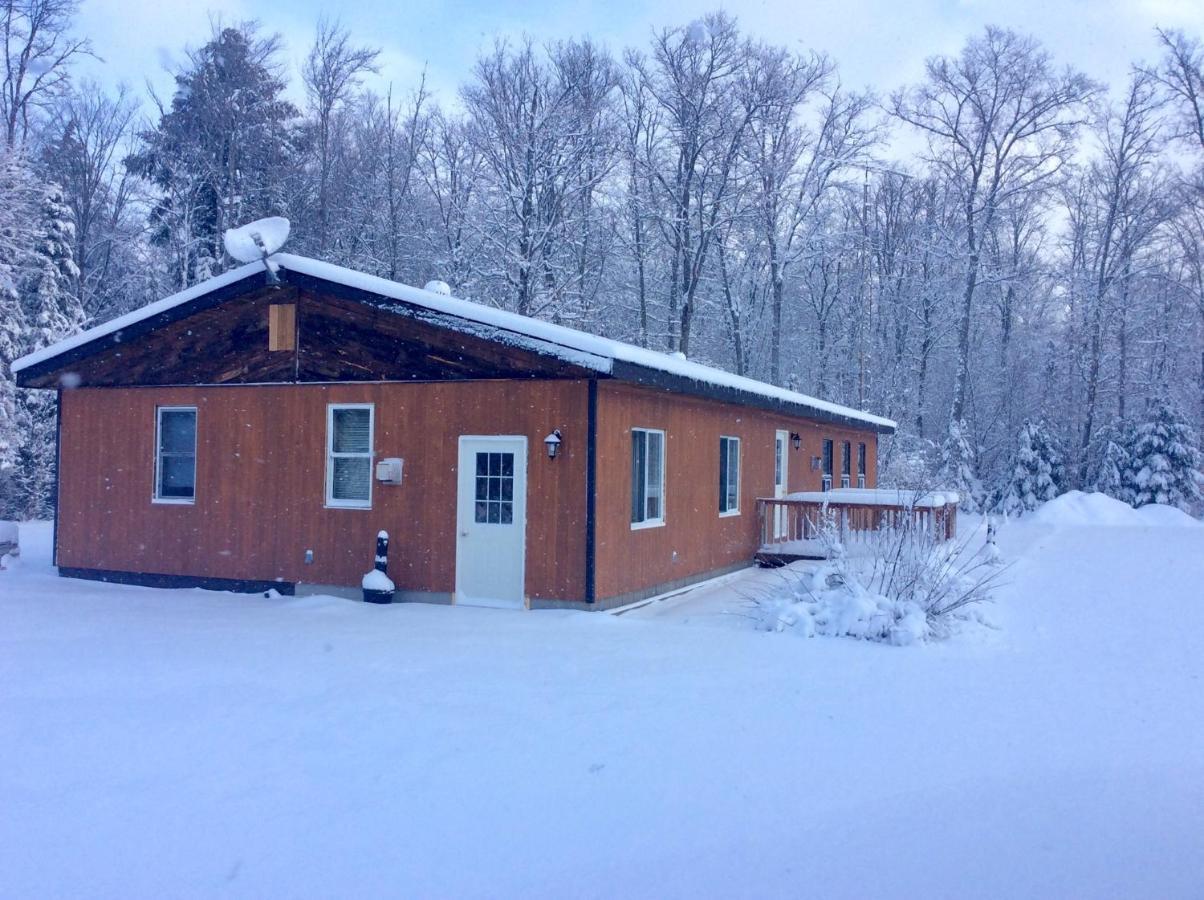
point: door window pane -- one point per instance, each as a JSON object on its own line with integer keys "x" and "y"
{"x": 494, "y": 489}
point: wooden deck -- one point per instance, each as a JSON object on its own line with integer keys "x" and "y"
{"x": 791, "y": 526}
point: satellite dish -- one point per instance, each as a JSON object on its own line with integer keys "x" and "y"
{"x": 442, "y": 288}
{"x": 256, "y": 240}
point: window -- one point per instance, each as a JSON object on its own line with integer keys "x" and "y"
{"x": 647, "y": 477}
{"x": 729, "y": 476}
{"x": 827, "y": 482}
{"x": 494, "y": 489}
{"x": 349, "y": 455}
{"x": 861, "y": 465}
{"x": 175, "y": 454}
{"x": 846, "y": 463}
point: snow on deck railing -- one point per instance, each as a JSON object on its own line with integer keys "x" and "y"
{"x": 794, "y": 525}
{"x": 878, "y": 497}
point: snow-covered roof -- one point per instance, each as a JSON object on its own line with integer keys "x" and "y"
{"x": 132, "y": 318}
{"x": 591, "y": 351}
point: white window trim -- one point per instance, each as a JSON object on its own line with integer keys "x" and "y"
{"x": 331, "y": 502}
{"x": 727, "y": 514}
{"x": 174, "y": 501}
{"x": 655, "y": 523}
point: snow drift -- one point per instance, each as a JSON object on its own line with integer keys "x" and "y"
{"x": 1076, "y": 508}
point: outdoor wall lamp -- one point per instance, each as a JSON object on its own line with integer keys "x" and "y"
{"x": 796, "y": 440}
{"x": 552, "y": 442}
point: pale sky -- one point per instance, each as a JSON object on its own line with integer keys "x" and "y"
{"x": 877, "y": 43}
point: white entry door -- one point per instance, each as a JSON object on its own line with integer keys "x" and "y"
{"x": 781, "y": 461}
{"x": 491, "y": 521}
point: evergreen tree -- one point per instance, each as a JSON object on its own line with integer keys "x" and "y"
{"x": 30, "y": 484}
{"x": 1036, "y": 473}
{"x": 1165, "y": 459}
{"x": 223, "y": 152}
{"x": 52, "y": 308}
{"x": 51, "y": 311}
{"x": 1108, "y": 463}
{"x": 957, "y": 470}
{"x": 19, "y": 193}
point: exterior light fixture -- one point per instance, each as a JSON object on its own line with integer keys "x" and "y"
{"x": 796, "y": 440}
{"x": 552, "y": 442}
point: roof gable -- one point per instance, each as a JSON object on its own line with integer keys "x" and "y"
{"x": 561, "y": 351}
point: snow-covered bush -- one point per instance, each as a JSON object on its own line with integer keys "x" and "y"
{"x": 902, "y": 587}
{"x": 907, "y": 461}
{"x": 1164, "y": 460}
{"x": 1036, "y": 474}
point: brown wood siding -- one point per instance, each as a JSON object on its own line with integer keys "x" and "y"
{"x": 261, "y": 482}
{"x": 694, "y": 539}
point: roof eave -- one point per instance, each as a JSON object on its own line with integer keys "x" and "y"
{"x": 681, "y": 384}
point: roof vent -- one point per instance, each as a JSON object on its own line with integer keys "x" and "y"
{"x": 442, "y": 288}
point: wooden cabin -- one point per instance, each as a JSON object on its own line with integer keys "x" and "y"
{"x": 257, "y": 432}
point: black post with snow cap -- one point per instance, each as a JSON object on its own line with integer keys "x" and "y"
{"x": 377, "y": 586}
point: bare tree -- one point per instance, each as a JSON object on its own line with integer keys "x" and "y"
{"x": 528, "y": 115}
{"x": 1182, "y": 76}
{"x": 1000, "y": 120}
{"x": 89, "y": 134}
{"x": 38, "y": 51}
{"x": 1126, "y": 207}
{"x": 699, "y": 80}
{"x": 332, "y": 72}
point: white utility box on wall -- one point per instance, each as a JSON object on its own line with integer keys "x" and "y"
{"x": 388, "y": 471}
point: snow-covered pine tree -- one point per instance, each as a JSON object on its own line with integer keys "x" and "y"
{"x": 957, "y": 471}
{"x": 12, "y": 329}
{"x": 18, "y": 199}
{"x": 32, "y": 480}
{"x": 51, "y": 311}
{"x": 1108, "y": 462}
{"x": 1036, "y": 473}
{"x": 1165, "y": 459}
{"x": 222, "y": 152}
{"x": 52, "y": 307}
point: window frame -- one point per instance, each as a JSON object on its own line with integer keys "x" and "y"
{"x": 156, "y": 497}
{"x": 333, "y": 502}
{"x": 846, "y": 464}
{"x": 827, "y": 461}
{"x": 647, "y": 522}
{"x": 726, "y": 470}
{"x": 861, "y": 464}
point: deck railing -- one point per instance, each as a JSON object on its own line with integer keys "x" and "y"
{"x": 792, "y": 527}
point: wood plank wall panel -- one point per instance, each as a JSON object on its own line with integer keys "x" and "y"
{"x": 261, "y": 482}
{"x": 695, "y": 538}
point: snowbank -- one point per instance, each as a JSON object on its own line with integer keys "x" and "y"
{"x": 1077, "y": 508}
{"x": 195, "y": 744}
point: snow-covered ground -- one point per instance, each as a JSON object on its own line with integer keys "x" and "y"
{"x": 183, "y": 743}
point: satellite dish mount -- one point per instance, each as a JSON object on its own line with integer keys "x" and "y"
{"x": 258, "y": 240}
